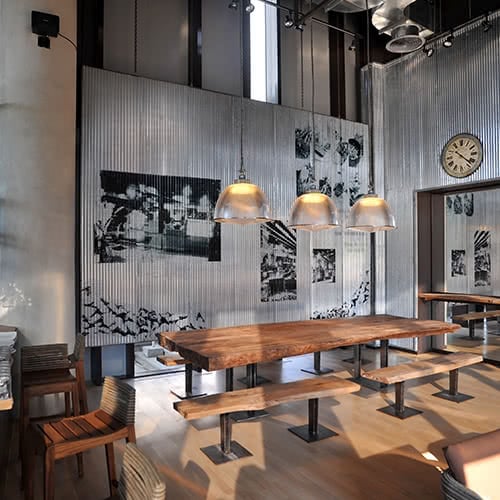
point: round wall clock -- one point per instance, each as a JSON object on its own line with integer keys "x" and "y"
{"x": 462, "y": 155}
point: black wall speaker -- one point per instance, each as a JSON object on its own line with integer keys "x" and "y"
{"x": 44, "y": 24}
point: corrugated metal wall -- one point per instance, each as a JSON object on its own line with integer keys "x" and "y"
{"x": 135, "y": 125}
{"x": 425, "y": 102}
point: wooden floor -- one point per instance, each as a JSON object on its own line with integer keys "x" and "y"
{"x": 374, "y": 457}
{"x": 489, "y": 347}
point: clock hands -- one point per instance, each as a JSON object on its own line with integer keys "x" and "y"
{"x": 462, "y": 156}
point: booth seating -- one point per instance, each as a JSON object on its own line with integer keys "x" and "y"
{"x": 399, "y": 374}
{"x": 46, "y": 369}
{"x": 471, "y": 319}
{"x": 114, "y": 420}
{"x": 260, "y": 398}
{"x": 474, "y": 468}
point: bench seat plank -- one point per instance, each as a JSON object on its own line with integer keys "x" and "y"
{"x": 417, "y": 369}
{"x": 260, "y": 398}
{"x": 172, "y": 360}
{"x": 477, "y": 315}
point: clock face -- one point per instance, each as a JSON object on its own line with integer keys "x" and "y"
{"x": 462, "y": 155}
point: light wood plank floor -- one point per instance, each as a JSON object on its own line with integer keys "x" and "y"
{"x": 374, "y": 457}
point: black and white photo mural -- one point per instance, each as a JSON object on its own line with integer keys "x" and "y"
{"x": 152, "y": 216}
{"x": 460, "y": 204}
{"x": 458, "y": 264}
{"x": 323, "y": 265}
{"x": 482, "y": 258}
{"x": 278, "y": 256}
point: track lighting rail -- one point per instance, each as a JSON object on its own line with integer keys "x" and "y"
{"x": 302, "y": 18}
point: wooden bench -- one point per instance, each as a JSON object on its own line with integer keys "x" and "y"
{"x": 399, "y": 374}
{"x": 472, "y": 317}
{"x": 260, "y": 398}
{"x": 175, "y": 360}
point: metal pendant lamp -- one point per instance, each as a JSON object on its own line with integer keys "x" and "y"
{"x": 242, "y": 202}
{"x": 313, "y": 211}
{"x": 370, "y": 213}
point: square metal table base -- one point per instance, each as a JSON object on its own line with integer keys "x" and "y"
{"x": 245, "y": 416}
{"x": 302, "y": 431}
{"x": 182, "y": 394}
{"x": 218, "y": 457}
{"x": 457, "y": 398}
{"x": 260, "y": 380}
{"x": 321, "y": 371}
{"x": 391, "y": 410}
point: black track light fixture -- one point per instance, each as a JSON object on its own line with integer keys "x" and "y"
{"x": 299, "y": 25}
{"x": 448, "y": 41}
{"x": 233, "y": 5}
{"x": 428, "y": 51}
{"x": 289, "y": 22}
{"x": 486, "y": 24}
{"x": 352, "y": 47}
{"x": 250, "y": 7}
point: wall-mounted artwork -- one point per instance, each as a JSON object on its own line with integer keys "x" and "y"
{"x": 303, "y": 137}
{"x": 150, "y": 216}
{"x": 348, "y": 149}
{"x": 458, "y": 267}
{"x": 278, "y": 256}
{"x": 306, "y": 179}
{"x": 460, "y": 204}
{"x": 348, "y": 308}
{"x": 102, "y": 317}
{"x": 323, "y": 265}
{"x": 482, "y": 258}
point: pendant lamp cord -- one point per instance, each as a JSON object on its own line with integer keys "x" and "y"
{"x": 369, "y": 83}
{"x": 242, "y": 173}
{"x": 313, "y": 96}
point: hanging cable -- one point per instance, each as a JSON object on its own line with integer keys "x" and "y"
{"x": 68, "y": 40}
{"x": 242, "y": 88}
{"x": 136, "y": 14}
{"x": 313, "y": 98}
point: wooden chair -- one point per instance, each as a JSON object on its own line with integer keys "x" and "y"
{"x": 46, "y": 369}
{"x": 113, "y": 420}
{"x": 139, "y": 479}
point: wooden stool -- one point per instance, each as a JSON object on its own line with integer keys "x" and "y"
{"x": 113, "y": 420}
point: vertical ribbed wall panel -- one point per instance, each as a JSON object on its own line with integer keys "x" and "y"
{"x": 427, "y": 101}
{"x": 140, "y": 126}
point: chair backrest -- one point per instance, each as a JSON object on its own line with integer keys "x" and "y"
{"x": 79, "y": 349}
{"x": 118, "y": 400}
{"x": 139, "y": 479}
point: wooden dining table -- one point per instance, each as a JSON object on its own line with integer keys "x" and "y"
{"x": 230, "y": 347}
{"x": 462, "y": 298}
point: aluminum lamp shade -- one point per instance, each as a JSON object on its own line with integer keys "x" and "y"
{"x": 370, "y": 214}
{"x": 313, "y": 211}
{"x": 242, "y": 203}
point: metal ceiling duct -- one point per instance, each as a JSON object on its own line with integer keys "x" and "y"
{"x": 351, "y": 6}
{"x": 405, "y": 39}
{"x": 393, "y": 18}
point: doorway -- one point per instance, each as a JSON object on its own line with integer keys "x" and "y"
{"x": 458, "y": 238}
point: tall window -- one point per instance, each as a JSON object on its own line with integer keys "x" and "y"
{"x": 264, "y": 53}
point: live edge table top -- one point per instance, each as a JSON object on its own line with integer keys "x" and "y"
{"x": 464, "y": 298}
{"x": 219, "y": 348}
